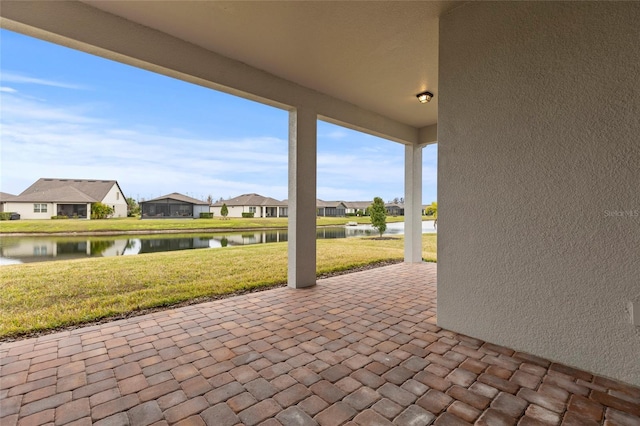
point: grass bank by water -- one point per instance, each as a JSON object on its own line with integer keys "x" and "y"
{"x": 125, "y": 225}
{"x": 49, "y": 295}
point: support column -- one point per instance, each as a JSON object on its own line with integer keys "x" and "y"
{"x": 413, "y": 203}
{"x": 302, "y": 197}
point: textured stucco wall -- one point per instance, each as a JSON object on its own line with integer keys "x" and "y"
{"x": 116, "y": 199}
{"x": 539, "y": 179}
{"x": 25, "y": 210}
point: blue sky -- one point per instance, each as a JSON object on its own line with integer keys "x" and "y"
{"x": 68, "y": 114}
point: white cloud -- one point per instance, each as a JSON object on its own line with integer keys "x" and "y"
{"x": 39, "y": 140}
{"x": 43, "y": 140}
{"x": 15, "y": 108}
{"x": 6, "y": 89}
{"x": 10, "y": 77}
{"x": 336, "y": 134}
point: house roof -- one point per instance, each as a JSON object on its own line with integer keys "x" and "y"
{"x": 357, "y": 204}
{"x": 68, "y": 190}
{"x": 64, "y": 194}
{"x": 251, "y": 200}
{"x": 322, "y": 203}
{"x": 5, "y": 196}
{"x": 179, "y": 197}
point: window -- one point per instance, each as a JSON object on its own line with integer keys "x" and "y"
{"x": 117, "y": 195}
{"x": 39, "y": 208}
{"x": 252, "y": 209}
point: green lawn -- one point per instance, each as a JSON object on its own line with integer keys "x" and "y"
{"x": 48, "y": 295}
{"x": 134, "y": 224}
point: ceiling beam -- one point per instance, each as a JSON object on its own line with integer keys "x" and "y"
{"x": 428, "y": 135}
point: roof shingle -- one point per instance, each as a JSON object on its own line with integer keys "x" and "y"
{"x": 67, "y": 190}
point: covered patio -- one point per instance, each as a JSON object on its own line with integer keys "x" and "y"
{"x": 535, "y": 112}
{"x": 357, "y": 349}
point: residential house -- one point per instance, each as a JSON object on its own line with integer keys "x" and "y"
{"x": 394, "y": 209}
{"x": 352, "y": 207}
{"x": 534, "y": 106}
{"x": 4, "y": 199}
{"x": 174, "y": 206}
{"x": 67, "y": 197}
{"x": 257, "y": 204}
{"x": 330, "y": 208}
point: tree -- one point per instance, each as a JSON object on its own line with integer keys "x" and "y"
{"x": 133, "y": 208}
{"x": 224, "y": 211}
{"x": 378, "y": 215}
{"x": 432, "y": 210}
{"x": 100, "y": 211}
{"x": 210, "y": 199}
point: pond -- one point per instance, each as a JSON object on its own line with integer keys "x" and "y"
{"x": 39, "y": 249}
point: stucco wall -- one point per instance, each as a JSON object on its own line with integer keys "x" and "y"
{"x": 26, "y": 210}
{"x": 116, "y": 199}
{"x": 539, "y": 179}
{"x": 199, "y": 209}
{"x": 234, "y": 211}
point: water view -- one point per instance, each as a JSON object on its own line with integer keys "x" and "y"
{"x": 39, "y": 249}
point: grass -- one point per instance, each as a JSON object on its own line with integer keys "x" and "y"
{"x": 50, "y": 295}
{"x": 134, "y": 224}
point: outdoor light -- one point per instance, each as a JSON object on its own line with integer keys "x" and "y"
{"x": 424, "y": 97}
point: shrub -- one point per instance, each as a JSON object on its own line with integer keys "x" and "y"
{"x": 5, "y": 216}
{"x": 350, "y": 214}
{"x": 247, "y": 214}
{"x": 205, "y": 215}
{"x": 60, "y": 217}
{"x": 100, "y": 211}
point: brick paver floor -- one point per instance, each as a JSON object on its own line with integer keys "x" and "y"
{"x": 357, "y": 349}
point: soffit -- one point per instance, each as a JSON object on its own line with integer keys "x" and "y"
{"x": 376, "y": 55}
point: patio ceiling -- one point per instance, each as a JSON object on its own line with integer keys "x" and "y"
{"x": 374, "y": 56}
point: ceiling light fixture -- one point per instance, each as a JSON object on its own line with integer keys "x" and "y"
{"x": 424, "y": 97}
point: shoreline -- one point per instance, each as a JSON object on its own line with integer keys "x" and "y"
{"x": 111, "y": 233}
{"x": 143, "y": 232}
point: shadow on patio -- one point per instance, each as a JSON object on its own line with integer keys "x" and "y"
{"x": 361, "y": 348}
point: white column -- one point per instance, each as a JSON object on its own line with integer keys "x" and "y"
{"x": 413, "y": 203}
{"x": 302, "y": 198}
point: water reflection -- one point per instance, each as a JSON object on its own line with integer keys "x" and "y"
{"x": 38, "y": 249}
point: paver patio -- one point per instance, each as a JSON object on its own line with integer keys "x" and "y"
{"x": 357, "y": 349}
